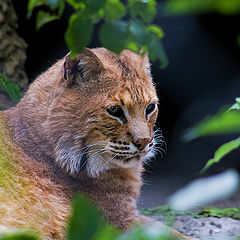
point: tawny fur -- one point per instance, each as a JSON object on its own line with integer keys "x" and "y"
{"x": 63, "y": 111}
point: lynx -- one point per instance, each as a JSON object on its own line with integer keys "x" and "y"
{"x": 85, "y": 125}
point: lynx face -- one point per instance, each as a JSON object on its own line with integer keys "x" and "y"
{"x": 118, "y": 109}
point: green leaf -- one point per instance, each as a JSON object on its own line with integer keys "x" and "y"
{"x": 53, "y": 4}
{"x": 86, "y": 220}
{"x": 94, "y": 5}
{"x": 20, "y": 235}
{"x": 144, "y": 8}
{"x": 76, "y": 4}
{"x": 221, "y": 123}
{"x": 187, "y": 6}
{"x": 157, "y": 30}
{"x": 138, "y": 32}
{"x": 157, "y": 52}
{"x": 33, "y": 4}
{"x": 113, "y": 35}
{"x": 79, "y": 32}
{"x": 11, "y": 88}
{"x": 233, "y": 213}
{"x": 236, "y": 106}
{"x": 113, "y": 10}
{"x": 43, "y": 18}
{"x": 222, "y": 152}
{"x": 108, "y": 232}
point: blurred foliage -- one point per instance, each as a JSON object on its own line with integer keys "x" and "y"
{"x": 11, "y": 88}
{"x": 87, "y": 223}
{"x": 166, "y": 212}
{"x": 226, "y": 121}
{"x": 225, "y": 7}
{"x": 125, "y": 24}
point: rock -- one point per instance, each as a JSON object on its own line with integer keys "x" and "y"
{"x": 12, "y": 51}
{"x": 210, "y": 228}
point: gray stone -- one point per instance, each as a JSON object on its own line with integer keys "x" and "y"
{"x": 12, "y": 51}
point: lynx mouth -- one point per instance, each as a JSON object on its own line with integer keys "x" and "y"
{"x": 127, "y": 159}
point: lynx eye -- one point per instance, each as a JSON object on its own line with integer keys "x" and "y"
{"x": 150, "y": 108}
{"x": 116, "y": 111}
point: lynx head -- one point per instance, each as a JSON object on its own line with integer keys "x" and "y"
{"x": 105, "y": 115}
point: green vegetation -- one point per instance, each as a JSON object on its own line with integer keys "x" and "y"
{"x": 126, "y": 24}
{"x": 169, "y": 215}
{"x": 226, "y": 121}
{"x": 11, "y": 88}
{"x": 226, "y": 7}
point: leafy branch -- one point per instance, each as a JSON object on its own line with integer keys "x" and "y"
{"x": 226, "y": 121}
{"x": 124, "y": 24}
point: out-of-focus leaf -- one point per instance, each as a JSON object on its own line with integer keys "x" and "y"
{"x": 156, "y": 29}
{"x": 145, "y": 9}
{"x": 221, "y": 123}
{"x": 233, "y": 213}
{"x": 53, "y": 3}
{"x": 94, "y": 5}
{"x": 20, "y": 235}
{"x": 108, "y": 232}
{"x": 76, "y": 4}
{"x": 187, "y": 6}
{"x": 157, "y": 52}
{"x": 221, "y": 152}
{"x": 151, "y": 231}
{"x": 113, "y": 10}
{"x": 43, "y": 18}
{"x": 11, "y": 88}
{"x": 138, "y": 32}
{"x": 205, "y": 191}
{"x": 113, "y": 35}
{"x": 225, "y": 7}
{"x": 132, "y": 46}
{"x": 79, "y": 33}
{"x": 236, "y": 106}
{"x": 33, "y": 4}
{"x": 86, "y": 220}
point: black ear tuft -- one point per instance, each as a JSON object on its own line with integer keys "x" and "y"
{"x": 85, "y": 67}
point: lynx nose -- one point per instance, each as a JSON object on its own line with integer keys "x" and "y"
{"x": 142, "y": 143}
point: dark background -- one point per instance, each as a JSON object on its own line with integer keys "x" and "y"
{"x": 203, "y": 75}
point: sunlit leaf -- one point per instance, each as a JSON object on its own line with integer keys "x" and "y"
{"x": 20, "y": 235}
{"x": 113, "y": 35}
{"x": 222, "y": 152}
{"x": 79, "y": 33}
{"x": 76, "y": 4}
{"x": 33, "y": 4}
{"x": 114, "y": 10}
{"x": 227, "y": 7}
{"x": 221, "y": 123}
{"x": 43, "y": 18}
{"x": 145, "y": 9}
{"x": 156, "y": 29}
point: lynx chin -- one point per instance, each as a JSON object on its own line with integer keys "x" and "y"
{"x": 85, "y": 125}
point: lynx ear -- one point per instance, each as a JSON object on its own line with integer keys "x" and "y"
{"x": 146, "y": 64}
{"x": 81, "y": 69}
